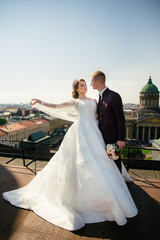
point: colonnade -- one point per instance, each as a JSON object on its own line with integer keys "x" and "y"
{"x": 149, "y": 102}
{"x": 142, "y": 132}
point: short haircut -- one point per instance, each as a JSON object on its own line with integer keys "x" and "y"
{"x": 99, "y": 75}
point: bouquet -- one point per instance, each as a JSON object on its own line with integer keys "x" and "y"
{"x": 113, "y": 151}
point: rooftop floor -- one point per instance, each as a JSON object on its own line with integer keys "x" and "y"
{"x": 20, "y": 224}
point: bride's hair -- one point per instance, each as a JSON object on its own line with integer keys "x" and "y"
{"x": 75, "y": 86}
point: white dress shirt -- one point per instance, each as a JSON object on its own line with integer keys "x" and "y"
{"x": 102, "y": 91}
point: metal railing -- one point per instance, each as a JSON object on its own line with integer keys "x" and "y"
{"x": 26, "y": 154}
{"x": 139, "y": 162}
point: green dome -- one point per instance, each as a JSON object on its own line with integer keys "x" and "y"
{"x": 150, "y": 87}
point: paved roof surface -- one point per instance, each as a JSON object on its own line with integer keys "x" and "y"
{"x": 20, "y": 224}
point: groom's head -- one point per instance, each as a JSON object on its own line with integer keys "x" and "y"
{"x": 98, "y": 80}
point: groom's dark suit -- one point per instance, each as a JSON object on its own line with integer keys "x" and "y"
{"x": 111, "y": 118}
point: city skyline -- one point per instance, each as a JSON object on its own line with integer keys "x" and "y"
{"x": 46, "y": 45}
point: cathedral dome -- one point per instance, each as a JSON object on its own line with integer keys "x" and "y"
{"x": 149, "y": 96}
{"x": 149, "y": 87}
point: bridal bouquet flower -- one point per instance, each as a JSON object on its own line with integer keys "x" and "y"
{"x": 112, "y": 151}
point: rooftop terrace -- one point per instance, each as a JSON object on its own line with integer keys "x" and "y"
{"x": 18, "y": 224}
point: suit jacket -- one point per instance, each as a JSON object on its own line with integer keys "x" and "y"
{"x": 111, "y": 117}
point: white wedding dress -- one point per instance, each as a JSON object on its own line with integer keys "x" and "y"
{"x": 80, "y": 184}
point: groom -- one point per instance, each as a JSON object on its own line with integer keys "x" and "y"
{"x": 110, "y": 113}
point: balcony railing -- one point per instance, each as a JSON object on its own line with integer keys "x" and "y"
{"x": 41, "y": 155}
{"x": 25, "y": 153}
{"x": 139, "y": 162}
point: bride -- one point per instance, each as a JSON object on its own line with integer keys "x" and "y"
{"x": 80, "y": 184}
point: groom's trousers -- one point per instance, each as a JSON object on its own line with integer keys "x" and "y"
{"x": 118, "y": 163}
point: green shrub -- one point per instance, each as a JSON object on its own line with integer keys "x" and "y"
{"x": 2, "y": 121}
{"x": 133, "y": 152}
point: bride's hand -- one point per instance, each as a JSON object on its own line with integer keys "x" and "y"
{"x": 34, "y": 101}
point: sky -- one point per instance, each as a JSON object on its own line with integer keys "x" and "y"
{"x": 46, "y": 44}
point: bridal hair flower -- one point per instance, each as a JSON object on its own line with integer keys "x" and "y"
{"x": 112, "y": 151}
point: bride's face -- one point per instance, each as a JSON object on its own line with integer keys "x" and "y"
{"x": 82, "y": 87}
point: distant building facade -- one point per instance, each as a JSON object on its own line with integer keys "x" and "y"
{"x": 21, "y": 130}
{"x": 18, "y": 131}
{"x": 144, "y": 122}
{"x": 3, "y": 136}
{"x": 57, "y": 124}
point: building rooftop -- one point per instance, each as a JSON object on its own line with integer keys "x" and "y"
{"x": 14, "y": 127}
{"x": 148, "y": 112}
{"x": 2, "y": 133}
{"x": 18, "y": 224}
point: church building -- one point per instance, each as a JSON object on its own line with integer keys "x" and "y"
{"x": 144, "y": 123}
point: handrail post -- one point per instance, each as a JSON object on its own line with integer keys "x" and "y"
{"x": 128, "y": 155}
{"x": 23, "y": 155}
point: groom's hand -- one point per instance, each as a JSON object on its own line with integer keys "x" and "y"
{"x": 120, "y": 144}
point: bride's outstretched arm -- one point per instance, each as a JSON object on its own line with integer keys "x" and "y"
{"x": 51, "y": 105}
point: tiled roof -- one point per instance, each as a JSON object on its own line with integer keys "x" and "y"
{"x": 40, "y": 121}
{"x": 14, "y": 127}
{"x": 2, "y": 133}
{"x": 8, "y": 128}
